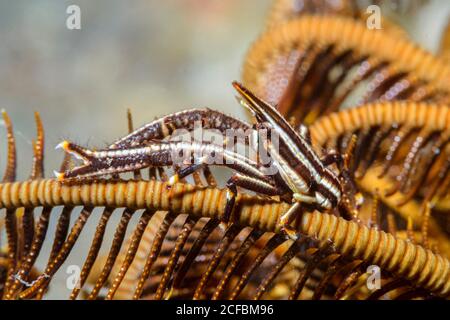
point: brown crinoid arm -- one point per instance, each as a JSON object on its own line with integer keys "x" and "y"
{"x": 405, "y": 174}
{"x": 23, "y": 236}
{"x": 316, "y": 64}
{"x": 428, "y": 126}
{"x": 399, "y": 257}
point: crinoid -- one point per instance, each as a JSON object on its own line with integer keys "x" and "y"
{"x": 317, "y": 64}
{"x": 309, "y": 70}
{"x": 328, "y": 258}
{"x": 285, "y": 10}
{"x": 355, "y": 191}
{"x": 401, "y": 155}
{"x": 445, "y": 44}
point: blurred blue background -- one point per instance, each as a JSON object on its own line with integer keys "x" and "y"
{"x": 155, "y": 57}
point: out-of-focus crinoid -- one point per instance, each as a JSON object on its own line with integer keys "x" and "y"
{"x": 316, "y": 64}
{"x": 389, "y": 212}
{"x": 445, "y": 44}
{"x": 285, "y": 10}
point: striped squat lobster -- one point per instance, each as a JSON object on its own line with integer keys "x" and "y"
{"x": 300, "y": 175}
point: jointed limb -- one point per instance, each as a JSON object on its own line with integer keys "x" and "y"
{"x": 286, "y": 219}
{"x": 251, "y": 184}
{"x": 332, "y": 157}
{"x": 187, "y": 120}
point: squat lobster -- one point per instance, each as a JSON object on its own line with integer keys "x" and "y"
{"x": 300, "y": 173}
